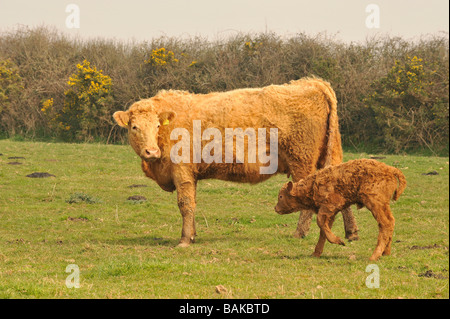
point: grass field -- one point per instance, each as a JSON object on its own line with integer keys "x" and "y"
{"x": 127, "y": 249}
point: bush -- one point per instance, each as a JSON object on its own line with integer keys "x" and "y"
{"x": 10, "y": 88}
{"x": 406, "y": 111}
{"x": 373, "y": 117}
{"x": 86, "y": 110}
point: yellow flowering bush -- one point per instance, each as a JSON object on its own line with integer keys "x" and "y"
{"x": 161, "y": 57}
{"x": 404, "y": 109}
{"x": 10, "y": 83}
{"x": 252, "y": 48}
{"x": 86, "y": 104}
{"x": 165, "y": 69}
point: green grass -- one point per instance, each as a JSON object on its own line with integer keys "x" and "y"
{"x": 128, "y": 250}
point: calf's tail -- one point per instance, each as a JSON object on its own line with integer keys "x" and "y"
{"x": 401, "y": 183}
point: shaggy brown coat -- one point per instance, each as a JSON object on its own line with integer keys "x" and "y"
{"x": 303, "y": 111}
{"x": 363, "y": 182}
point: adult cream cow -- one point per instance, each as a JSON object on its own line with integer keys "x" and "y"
{"x": 296, "y": 123}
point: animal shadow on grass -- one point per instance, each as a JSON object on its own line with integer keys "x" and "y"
{"x": 144, "y": 241}
{"x": 306, "y": 255}
{"x": 172, "y": 241}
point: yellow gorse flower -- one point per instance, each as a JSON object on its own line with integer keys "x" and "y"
{"x": 161, "y": 57}
{"x": 47, "y": 105}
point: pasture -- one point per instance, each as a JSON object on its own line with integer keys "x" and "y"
{"x": 127, "y": 248}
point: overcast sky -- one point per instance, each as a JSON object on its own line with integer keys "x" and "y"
{"x": 143, "y": 20}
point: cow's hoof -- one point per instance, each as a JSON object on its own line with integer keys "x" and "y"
{"x": 314, "y": 254}
{"x": 299, "y": 234}
{"x": 352, "y": 236}
{"x": 183, "y": 244}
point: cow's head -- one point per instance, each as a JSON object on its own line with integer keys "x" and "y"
{"x": 143, "y": 130}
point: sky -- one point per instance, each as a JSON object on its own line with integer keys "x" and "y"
{"x": 140, "y": 20}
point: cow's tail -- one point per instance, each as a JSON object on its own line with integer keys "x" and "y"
{"x": 401, "y": 183}
{"x": 333, "y": 152}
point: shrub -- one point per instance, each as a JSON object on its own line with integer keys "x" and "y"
{"x": 405, "y": 110}
{"x": 372, "y": 117}
{"x": 86, "y": 110}
{"x": 161, "y": 57}
{"x": 10, "y": 87}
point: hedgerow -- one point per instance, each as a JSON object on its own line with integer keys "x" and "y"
{"x": 392, "y": 93}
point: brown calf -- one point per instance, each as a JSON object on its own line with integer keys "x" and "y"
{"x": 363, "y": 182}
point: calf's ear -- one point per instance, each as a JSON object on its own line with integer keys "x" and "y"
{"x": 166, "y": 117}
{"x": 122, "y": 118}
{"x": 289, "y": 188}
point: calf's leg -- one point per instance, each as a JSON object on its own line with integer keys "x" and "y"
{"x": 386, "y": 222}
{"x": 391, "y": 219}
{"x": 323, "y": 220}
{"x": 322, "y": 239}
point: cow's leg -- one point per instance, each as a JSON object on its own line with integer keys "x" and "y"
{"x": 351, "y": 229}
{"x": 186, "y": 193}
{"x": 304, "y": 221}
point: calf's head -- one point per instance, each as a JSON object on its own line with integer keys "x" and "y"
{"x": 289, "y": 199}
{"x": 143, "y": 130}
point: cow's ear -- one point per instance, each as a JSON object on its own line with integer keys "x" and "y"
{"x": 122, "y": 118}
{"x": 166, "y": 117}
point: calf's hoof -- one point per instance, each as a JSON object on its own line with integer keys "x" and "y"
{"x": 339, "y": 242}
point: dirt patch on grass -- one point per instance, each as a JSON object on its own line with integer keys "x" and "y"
{"x": 431, "y": 173}
{"x": 137, "y": 185}
{"x": 18, "y": 241}
{"x": 14, "y": 163}
{"x": 431, "y": 274}
{"x": 77, "y": 219}
{"x": 137, "y": 198}
{"x": 427, "y": 247}
{"x": 40, "y": 175}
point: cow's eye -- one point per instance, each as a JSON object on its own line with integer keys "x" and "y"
{"x": 158, "y": 126}
{"x": 134, "y": 128}
{"x": 281, "y": 196}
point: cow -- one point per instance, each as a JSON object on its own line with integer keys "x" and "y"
{"x": 302, "y": 114}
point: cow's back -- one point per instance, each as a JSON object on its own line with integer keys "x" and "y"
{"x": 298, "y": 110}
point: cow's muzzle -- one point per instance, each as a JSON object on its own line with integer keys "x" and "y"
{"x": 151, "y": 154}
